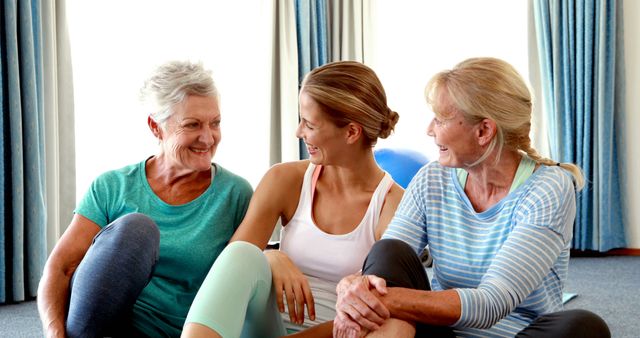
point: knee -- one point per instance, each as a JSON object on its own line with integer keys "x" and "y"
{"x": 243, "y": 249}
{"x": 243, "y": 260}
{"x": 139, "y": 225}
{"x": 588, "y": 324}
{"x": 388, "y": 251}
{"x": 397, "y": 263}
{"x": 134, "y": 230}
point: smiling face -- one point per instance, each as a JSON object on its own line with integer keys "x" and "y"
{"x": 323, "y": 138}
{"x": 456, "y": 138}
{"x": 190, "y": 137}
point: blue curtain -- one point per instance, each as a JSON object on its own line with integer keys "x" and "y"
{"x": 22, "y": 171}
{"x": 577, "y": 42}
{"x": 313, "y": 45}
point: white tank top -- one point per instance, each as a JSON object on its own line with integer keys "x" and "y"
{"x": 325, "y": 258}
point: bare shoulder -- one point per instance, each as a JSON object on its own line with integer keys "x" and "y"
{"x": 280, "y": 188}
{"x": 294, "y": 168}
{"x": 276, "y": 196}
{"x": 286, "y": 174}
{"x": 281, "y": 181}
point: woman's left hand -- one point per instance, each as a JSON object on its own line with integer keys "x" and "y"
{"x": 288, "y": 279}
{"x": 345, "y": 327}
{"x": 358, "y": 304}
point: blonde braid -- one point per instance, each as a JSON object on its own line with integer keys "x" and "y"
{"x": 570, "y": 167}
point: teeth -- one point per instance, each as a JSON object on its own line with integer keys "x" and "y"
{"x": 200, "y": 150}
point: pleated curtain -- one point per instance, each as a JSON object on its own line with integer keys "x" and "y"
{"x": 284, "y": 146}
{"x": 22, "y": 170}
{"x": 577, "y": 44}
{"x": 312, "y": 41}
{"x": 329, "y": 30}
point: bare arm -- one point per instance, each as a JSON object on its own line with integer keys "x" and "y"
{"x": 431, "y": 307}
{"x": 289, "y": 281}
{"x": 277, "y": 195}
{"x": 53, "y": 290}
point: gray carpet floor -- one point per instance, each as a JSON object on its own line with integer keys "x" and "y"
{"x": 608, "y": 286}
{"x": 20, "y": 320}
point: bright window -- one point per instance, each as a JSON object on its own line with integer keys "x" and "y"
{"x": 115, "y": 46}
{"x": 414, "y": 40}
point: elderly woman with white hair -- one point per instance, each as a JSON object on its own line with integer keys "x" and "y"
{"x": 144, "y": 236}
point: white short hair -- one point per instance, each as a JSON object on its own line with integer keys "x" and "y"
{"x": 171, "y": 83}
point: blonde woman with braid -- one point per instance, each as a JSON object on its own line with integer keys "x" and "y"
{"x": 333, "y": 207}
{"x": 497, "y": 217}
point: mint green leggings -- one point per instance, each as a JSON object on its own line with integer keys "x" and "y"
{"x": 236, "y": 298}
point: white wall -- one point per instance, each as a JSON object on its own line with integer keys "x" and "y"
{"x": 631, "y": 149}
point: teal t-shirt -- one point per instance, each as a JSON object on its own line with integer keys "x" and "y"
{"x": 192, "y": 236}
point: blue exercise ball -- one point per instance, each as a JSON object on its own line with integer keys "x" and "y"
{"x": 401, "y": 164}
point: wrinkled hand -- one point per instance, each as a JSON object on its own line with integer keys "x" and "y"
{"x": 358, "y": 308}
{"x": 344, "y": 327}
{"x": 289, "y": 280}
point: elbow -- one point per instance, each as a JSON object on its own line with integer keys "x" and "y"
{"x": 56, "y": 271}
{"x": 496, "y": 308}
{"x": 491, "y": 321}
{"x": 485, "y": 309}
{"x": 488, "y": 318}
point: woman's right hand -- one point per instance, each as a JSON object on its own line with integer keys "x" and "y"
{"x": 358, "y": 305}
{"x": 51, "y": 332}
{"x": 288, "y": 279}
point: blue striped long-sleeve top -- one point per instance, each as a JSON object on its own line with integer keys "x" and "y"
{"x": 508, "y": 263}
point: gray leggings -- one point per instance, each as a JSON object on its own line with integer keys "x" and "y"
{"x": 399, "y": 265}
{"x": 111, "y": 276}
